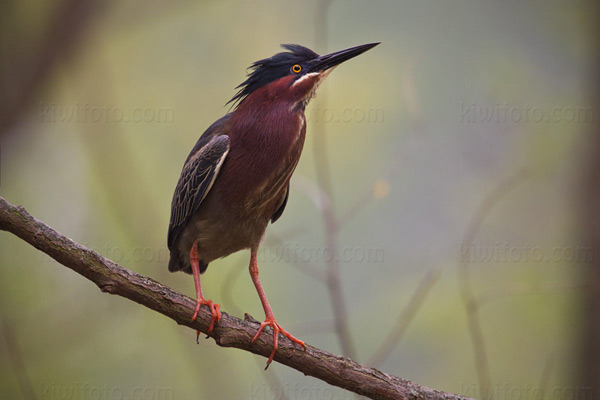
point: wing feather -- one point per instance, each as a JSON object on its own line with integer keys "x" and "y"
{"x": 281, "y": 207}
{"x": 197, "y": 177}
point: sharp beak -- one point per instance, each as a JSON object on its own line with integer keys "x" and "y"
{"x": 328, "y": 61}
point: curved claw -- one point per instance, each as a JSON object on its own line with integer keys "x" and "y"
{"x": 276, "y": 330}
{"x": 215, "y": 310}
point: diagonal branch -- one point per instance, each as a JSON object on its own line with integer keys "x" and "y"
{"x": 468, "y": 295}
{"x": 417, "y": 299}
{"x": 229, "y": 332}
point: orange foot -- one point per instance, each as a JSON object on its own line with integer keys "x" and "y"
{"x": 215, "y": 310}
{"x": 276, "y": 329}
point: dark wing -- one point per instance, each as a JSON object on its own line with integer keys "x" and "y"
{"x": 198, "y": 175}
{"x": 217, "y": 128}
{"x": 280, "y": 209}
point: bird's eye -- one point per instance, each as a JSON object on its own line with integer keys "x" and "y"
{"x": 296, "y": 68}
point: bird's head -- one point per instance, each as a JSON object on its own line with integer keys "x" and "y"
{"x": 294, "y": 75}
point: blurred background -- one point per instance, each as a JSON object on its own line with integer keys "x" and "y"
{"x": 441, "y": 222}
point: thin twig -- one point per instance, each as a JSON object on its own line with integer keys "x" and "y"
{"x": 333, "y": 278}
{"x": 404, "y": 319}
{"x": 229, "y": 332}
{"x": 466, "y": 290}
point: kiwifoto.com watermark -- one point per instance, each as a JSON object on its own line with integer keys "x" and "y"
{"x": 508, "y": 253}
{"x": 298, "y": 253}
{"x": 367, "y": 115}
{"x": 297, "y": 391}
{"x": 87, "y": 391}
{"x": 505, "y": 391}
{"x": 91, "y": 113}
{"x": 289, "y": 253}
{"x": 526, "y": 113}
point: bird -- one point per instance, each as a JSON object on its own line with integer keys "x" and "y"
{"x": 236, "y": 179}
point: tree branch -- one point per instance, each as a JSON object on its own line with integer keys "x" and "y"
{"x": 229, "y": 332}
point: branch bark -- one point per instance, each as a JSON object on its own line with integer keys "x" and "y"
{"x": 229, "y": 332}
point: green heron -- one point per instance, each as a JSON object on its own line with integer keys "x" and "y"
{"x": 236, "y": 178}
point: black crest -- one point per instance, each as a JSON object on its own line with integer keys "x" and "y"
{"x": 270, "y": 69}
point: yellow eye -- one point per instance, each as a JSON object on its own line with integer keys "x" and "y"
{"x": 296, "y": 68}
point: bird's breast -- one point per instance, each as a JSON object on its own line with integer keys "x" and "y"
{"x": 265, "y": 150}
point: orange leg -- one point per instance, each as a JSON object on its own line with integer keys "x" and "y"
{"x": 215, "y": 308}
{"x": 270, "y": 318}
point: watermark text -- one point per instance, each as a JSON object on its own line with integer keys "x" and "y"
{"x": 507, "y": 253}
{"x": 87, "y": 391}
{"x": 91, "y": 113}
{"x": 511, "y": 113}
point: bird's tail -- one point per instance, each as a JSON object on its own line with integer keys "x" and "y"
{"x": 175, "y": 263}
{"x": 178, "y": 263}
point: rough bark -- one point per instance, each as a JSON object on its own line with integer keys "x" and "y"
{"x": 229, "y": 332}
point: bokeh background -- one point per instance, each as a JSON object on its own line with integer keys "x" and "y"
{"x": 438, "y": 215}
